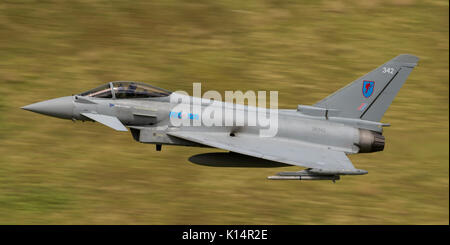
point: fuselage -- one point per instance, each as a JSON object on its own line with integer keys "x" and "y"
{"x": 151, "y": 118}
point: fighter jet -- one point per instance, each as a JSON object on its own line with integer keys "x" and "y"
{"x": 317, "y": 138}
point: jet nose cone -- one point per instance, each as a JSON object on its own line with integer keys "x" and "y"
{"x": 59, "y": 107}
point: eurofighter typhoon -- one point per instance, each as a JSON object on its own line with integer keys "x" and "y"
{"x": 317, "y": 137}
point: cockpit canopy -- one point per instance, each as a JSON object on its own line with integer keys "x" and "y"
{"x": 103, "y": 91}
{"x": 126, "y": 90}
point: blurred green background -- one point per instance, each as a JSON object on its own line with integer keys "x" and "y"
{"x": 54, "y": 171}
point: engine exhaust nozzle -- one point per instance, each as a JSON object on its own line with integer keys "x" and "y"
{"x": 370, "y": 141}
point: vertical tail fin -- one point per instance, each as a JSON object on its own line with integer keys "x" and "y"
{"x": 369, "y": 96}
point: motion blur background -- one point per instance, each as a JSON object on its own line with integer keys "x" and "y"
{"x": 54, "y": 171}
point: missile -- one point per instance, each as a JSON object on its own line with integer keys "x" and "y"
{"x": 304, "y": 177}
